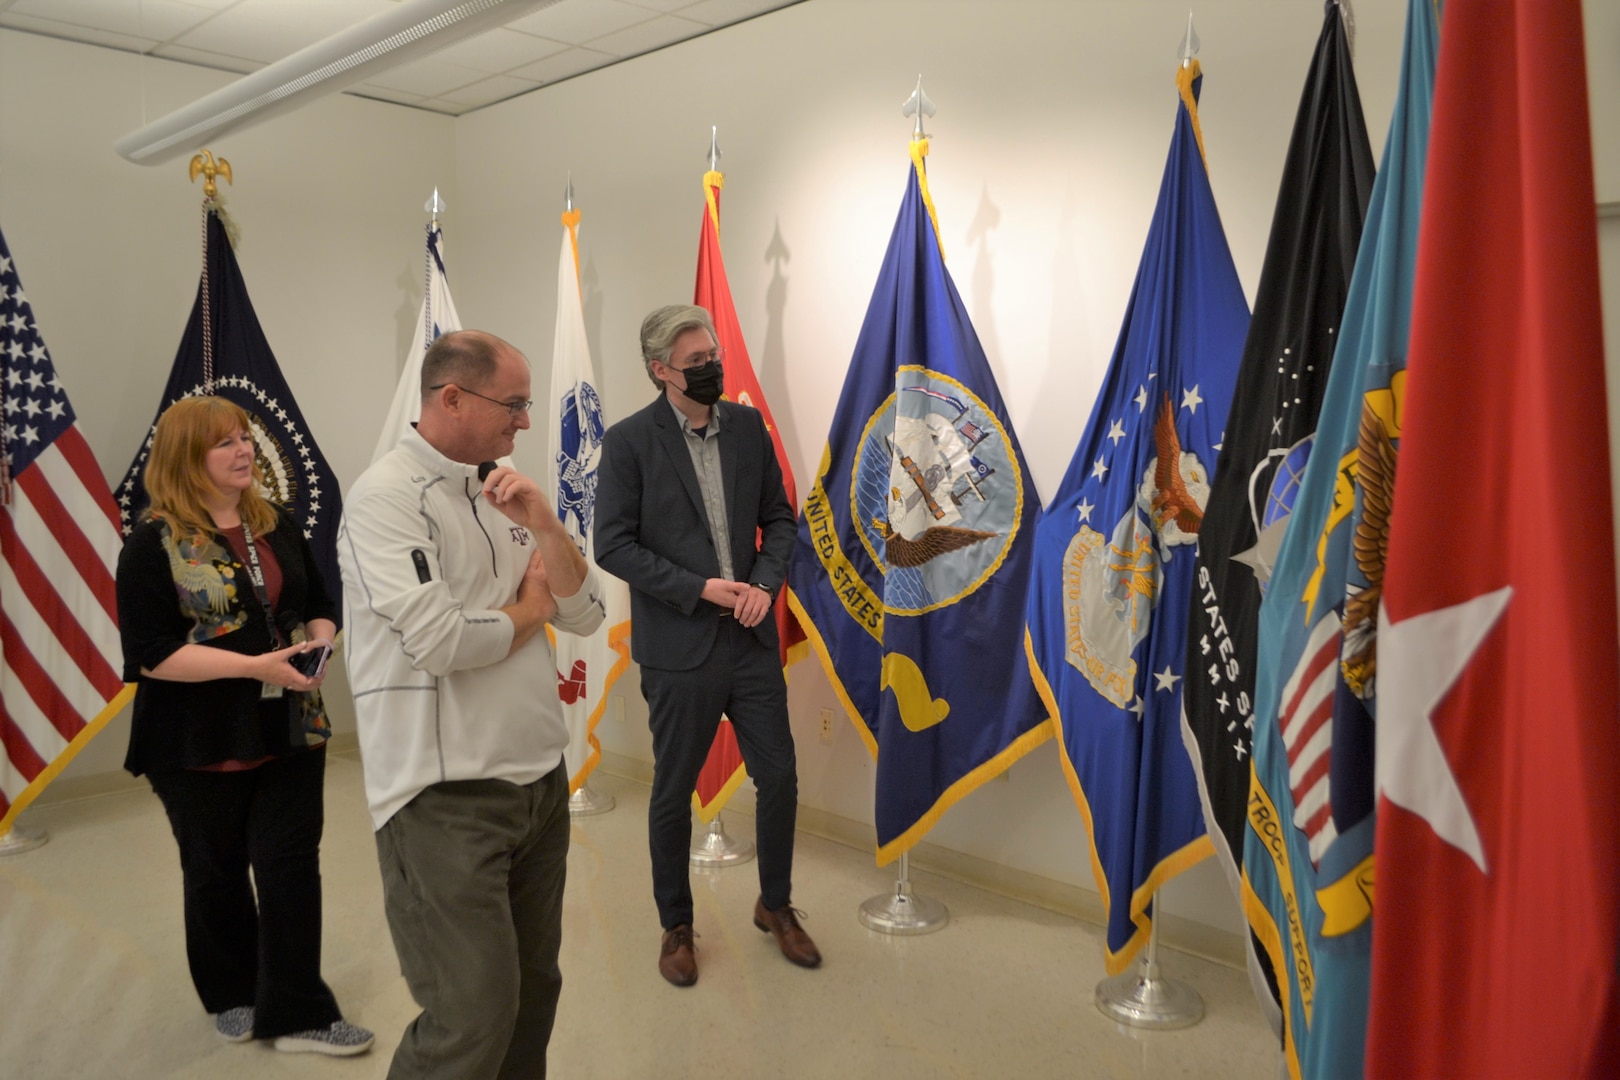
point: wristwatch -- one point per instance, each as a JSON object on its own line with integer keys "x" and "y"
{"x": 761, "y": 585}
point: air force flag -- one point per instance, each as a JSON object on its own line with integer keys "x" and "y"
{"x": 1115, "y": 549}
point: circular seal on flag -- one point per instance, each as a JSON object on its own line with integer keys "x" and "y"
{"x": 936, "y": 493}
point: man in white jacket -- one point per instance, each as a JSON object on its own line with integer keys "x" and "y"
{"x": 451, "y": 567}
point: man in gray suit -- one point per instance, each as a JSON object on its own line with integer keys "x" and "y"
{"x": 691, "y": 513}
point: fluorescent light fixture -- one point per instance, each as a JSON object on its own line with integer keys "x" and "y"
{"x": 414, "y": 29}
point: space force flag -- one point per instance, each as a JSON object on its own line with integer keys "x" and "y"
{"x": 224, "y": 353}
{"x": 1107, "y": 618}
{"x": 1498, "y": 905}
{"x": 438, "y": 316}
{"x": 1310, "y": 866}
{"x": 1321, "y": 203}
{"x": 587, "y": 667}
{"x": 912, "y": 560}
{"x": 60, "y": 656}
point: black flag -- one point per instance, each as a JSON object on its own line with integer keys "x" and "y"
{"x": 224, "y": 352}
{"x": 1327, "y": 180}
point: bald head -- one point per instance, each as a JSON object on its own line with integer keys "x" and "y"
{"x": 475, "y": 390}
{"x": 463, "y": 357}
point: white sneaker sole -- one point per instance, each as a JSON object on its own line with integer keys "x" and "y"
{"x": 293, "y": 1045}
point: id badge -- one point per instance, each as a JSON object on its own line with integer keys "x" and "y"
{"x": 270, "y": 691}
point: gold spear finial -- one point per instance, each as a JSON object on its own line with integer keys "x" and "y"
{"x": 205, "y": 164}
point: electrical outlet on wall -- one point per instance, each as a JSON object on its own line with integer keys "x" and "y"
{"x": 826, "y": 728}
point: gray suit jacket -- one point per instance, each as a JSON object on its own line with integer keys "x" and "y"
{"x": 652, "y": 530}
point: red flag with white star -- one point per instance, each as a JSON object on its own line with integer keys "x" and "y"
{"x": 1498, "y": 882}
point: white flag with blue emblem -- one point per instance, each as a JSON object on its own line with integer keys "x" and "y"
{"x": 438, "y": 317}
{"x": 587, "y": 667}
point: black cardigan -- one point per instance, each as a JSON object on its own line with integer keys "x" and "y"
{"x": 172, "y": 594}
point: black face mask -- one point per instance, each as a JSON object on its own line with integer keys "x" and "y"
{"x": 703, "y": 383}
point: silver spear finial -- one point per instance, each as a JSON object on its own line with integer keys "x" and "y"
{"x": 918, "y": 105}
{"x": 714, "y": 148}
{"x": 435, "y": 206}
{"x": 568, "y": 194}
{"x": 1189, "y": 44}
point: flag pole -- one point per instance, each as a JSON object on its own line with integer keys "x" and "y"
{"x": 1145, "y": 998}
{"x": 714, "y": 847}
{"x": 20, "y": 838}
{"x": 902, "y": 911}
{"x": 585, "y": 802}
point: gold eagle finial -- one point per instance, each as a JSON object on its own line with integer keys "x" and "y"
{"x": 208, "y": 167}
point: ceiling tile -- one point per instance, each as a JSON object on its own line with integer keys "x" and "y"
{"x": 430, "y": 77}
{"x": 382, "y": 93}
{"x": 201, "y": 58}
{"x": 269, "y": 30}
{"x": 70, "y": 32}
{"x": 564, "y": 64}
{"x": 726, "y": 12}
{"x": 490, "y": 91}
{"x": 439, "y": 105}
{"x": 578, "y": 21}
{"x": 498, "y": 51}
{"x": 159, "y": 20}
{"x": 645, "y": 37}
{"x": 664, "y": 7}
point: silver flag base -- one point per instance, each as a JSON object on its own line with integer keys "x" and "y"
{"x": 585, "y": 802}
{"x": 901, "y": 911}
{"x": 21, "y": 839}
{"x": 1146, "y": 999}
{"x": 715, "y": 847}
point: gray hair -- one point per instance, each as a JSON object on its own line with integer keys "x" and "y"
{"x": 660, "y": 329}
{"x": 463, "y": 357}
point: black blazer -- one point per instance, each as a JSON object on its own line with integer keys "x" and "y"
{"x": 653, "y": 532}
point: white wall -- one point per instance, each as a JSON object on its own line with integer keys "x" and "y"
{"x": 1054, "y": 120}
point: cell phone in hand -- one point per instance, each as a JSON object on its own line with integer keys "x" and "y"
{"x": 311, "y": 664}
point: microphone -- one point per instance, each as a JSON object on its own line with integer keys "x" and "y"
{"x": 419, "y": 560}
{"x": 484, "y": 469}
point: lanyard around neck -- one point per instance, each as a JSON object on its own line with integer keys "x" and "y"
{"x": 256, "y": 576}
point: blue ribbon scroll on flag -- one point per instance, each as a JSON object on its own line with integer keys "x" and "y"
{"x": 1316, "y": 687}
{"x": 1115, "y": 549}
{"x": 224, "y": 353}
{"x": 914, "y": 550}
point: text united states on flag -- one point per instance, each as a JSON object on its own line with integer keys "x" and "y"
{"x": 59, "y": 541}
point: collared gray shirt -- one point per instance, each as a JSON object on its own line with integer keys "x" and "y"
{"x": 705, "y": 451}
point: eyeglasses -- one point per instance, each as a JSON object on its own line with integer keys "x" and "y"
{"x": 715, "y": 355}
{"x": 513, "y": 409}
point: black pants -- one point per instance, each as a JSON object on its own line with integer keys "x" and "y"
{"x": 742, "y": 679}
{"x": 267, "y": 955}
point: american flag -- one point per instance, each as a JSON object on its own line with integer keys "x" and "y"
{"x": 1306, "y": 721}
{"x": 59, "y": 541}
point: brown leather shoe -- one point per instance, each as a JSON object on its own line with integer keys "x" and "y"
{"x": 677, "y": 957}
{"x": 784, "y": 923}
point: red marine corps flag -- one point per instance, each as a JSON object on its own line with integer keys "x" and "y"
{"x": 1498, "y": 848}
{"x": 723, "y": 771}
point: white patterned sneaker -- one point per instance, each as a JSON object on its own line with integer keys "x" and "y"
{"x": 235, "y": 1025}
{"x": 340, "y": 1039}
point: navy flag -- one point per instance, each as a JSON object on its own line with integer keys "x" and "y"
{"x": 913, "y": 554}
{"x": 224, "y": 353}
{"x": 1114, "y": 550}
{"x": 1316, "y": 685}
{"x": 1327, "y": 180}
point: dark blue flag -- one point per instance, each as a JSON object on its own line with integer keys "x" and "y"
{"x": 913, "y": 554}
{"x": 224, "y": 353}
{"x": 1114, "y": 550}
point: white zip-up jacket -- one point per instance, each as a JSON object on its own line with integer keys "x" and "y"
{"x": 427, "y": 563}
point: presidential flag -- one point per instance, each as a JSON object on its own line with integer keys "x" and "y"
{"x": 1114, "y": 549}
{"x": 1327, "y": 178}
{"x": 60, "y": 656}
{"x": 912, "y": 561}
{"x": 224, "y": 353}
{"x": 723, "y": 770}
{"x": 1309, "y": 863}
{"x": 438, "y": 316}
{"x": 1498, "y": 904}
{"x": 587, "y": 667}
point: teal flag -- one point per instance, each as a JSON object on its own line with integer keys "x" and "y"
{"x": 1316, "y": 687}
{"x": 913, "y": 553}
{"x": 1115, "y": 549}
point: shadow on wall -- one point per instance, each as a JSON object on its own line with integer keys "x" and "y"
{"x": 985, "y": 220}
{"x": 772, "y": 371}
{"x": 590, "y": 299}
{"x": 1062, "y": 401}
{"x": 410, "y": 305}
